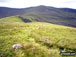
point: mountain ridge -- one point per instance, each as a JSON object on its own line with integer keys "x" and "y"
{"x": 60, "y": 16}
{"x": 24, "y": 9}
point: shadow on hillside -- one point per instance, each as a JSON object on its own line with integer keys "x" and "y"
{"x": 24, "y": 19}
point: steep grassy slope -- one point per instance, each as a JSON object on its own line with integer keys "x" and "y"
{"x": 40, "y": 39}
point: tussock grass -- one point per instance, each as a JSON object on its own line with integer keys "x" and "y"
{"x": 40, "y": 39}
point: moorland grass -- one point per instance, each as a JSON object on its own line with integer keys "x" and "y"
{"x": 40, "y": 39}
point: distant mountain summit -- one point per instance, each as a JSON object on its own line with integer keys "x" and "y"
{"x": 61, "y": 16}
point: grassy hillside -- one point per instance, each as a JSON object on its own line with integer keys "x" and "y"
{"x": 60, "y": 16}
{"x": 5, "y": 12}
{"x": 14, "y": 19}
{"x": 39, "y": 39}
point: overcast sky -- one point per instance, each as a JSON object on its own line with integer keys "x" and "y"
{"x": 29, "y": 3}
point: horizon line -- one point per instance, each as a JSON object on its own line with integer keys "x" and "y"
{"x": 35, "y": 6}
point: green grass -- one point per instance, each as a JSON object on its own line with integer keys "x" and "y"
{"x": 11, "y": 19}
{"x": 40, "y": 39}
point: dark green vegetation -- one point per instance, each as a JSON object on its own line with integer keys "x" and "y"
{"x": 61, "y": 16}
{"x": 40, "y": 39}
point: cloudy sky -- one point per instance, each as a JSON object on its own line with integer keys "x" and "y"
{"x": 29, "y": 3}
